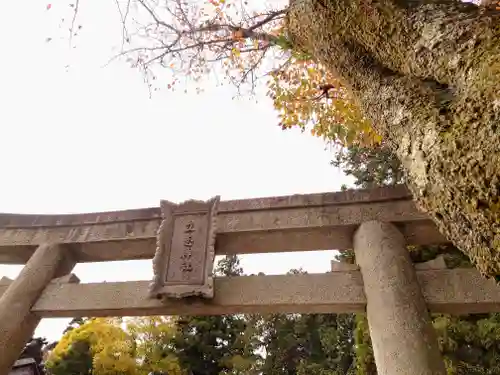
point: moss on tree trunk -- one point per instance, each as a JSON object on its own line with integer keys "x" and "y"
{"x": 428, "y": 75}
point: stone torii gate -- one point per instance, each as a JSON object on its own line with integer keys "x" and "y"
{"x": 183, "y": 239}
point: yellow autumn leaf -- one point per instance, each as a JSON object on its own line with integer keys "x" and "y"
{"x": 330, "y": 114}
{"x": 110, "y": 347}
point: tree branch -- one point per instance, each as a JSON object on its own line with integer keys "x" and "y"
{"x": 191, "y": 38}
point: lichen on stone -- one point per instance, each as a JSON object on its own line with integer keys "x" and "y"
{"x": 428, "y": 76}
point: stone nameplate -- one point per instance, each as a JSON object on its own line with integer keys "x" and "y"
{"x": 24, "y": 366}
{"x": 185, "y": 251}
{"x": 27, "y": 370}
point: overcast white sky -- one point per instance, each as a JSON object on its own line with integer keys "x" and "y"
{"x": 91, "y": 139}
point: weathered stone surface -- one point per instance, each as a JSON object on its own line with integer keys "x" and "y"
{"x": 437, "y": 263}
{"x": 5, "y": 281}
{"x": 261, "y": 225}
{"x": 24, "y": 366}
{"x": 450, "y": 291}
{"x": 381, "y": 194}
{"x": 17, "y": 322}
{"x": 428, "y": 75}
{"x": 403, "y": 339}
{"x": 185, "y": 250}
{"x": 189, "y": 252}
{"x": 70, "y": 278}
{"x": 343, "y": 267}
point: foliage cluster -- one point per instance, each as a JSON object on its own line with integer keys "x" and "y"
{"x": 470, "y": 344}
{"x": 244, "y": 43}
{"x": 180, "y": 43}
{"x": 276, "y": 344}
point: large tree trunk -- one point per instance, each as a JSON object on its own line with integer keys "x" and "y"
{"x": 428, "y": 75}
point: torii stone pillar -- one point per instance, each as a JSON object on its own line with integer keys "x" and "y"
{"x": 17, "y": 323}
{"x": 403, "y": 339}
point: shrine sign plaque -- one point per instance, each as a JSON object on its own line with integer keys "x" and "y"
{"x": 25, "y": 366}
{"x": 185, "y": 250}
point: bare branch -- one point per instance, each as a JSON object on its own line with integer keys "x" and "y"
{"x": 158, "y": 21}
{"x": 123, "y": 17}
{"x": 195, "y": 41}
{"x": 72, "y": 27}
{"x": 269, "y": 18}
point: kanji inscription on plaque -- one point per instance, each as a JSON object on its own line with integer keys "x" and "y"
{"x": 185, "y": 251}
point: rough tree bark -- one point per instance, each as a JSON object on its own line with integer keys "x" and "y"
{"x": 428, "y": 75}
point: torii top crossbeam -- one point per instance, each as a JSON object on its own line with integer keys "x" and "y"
{"x": 261, "y": 225}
